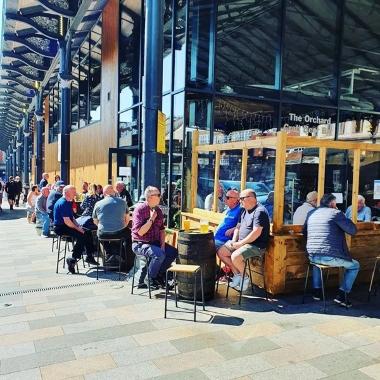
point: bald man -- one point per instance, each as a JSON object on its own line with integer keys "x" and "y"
{"x": 111, "y": 215}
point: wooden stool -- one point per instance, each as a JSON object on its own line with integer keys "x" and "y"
{"x": 247, "y": 264}
{"x": 373, "y": 277}
{"x": 101, "y": 251}
{"x": 321, "y": 268}
{"x": 189, "y": 269}
{"x": 147, "y": 262}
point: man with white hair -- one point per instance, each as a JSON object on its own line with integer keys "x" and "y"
{"x": 123, "y": 193}
{"x": 44, "y": 181}
{"x": 65, "y": 224}
{"x": 148, "y": 237}
{"x": 42, "y": 214}
{"x": 53, "y": 197}
{"x": 300, "y": 215}
{"x": 364, "y": 212}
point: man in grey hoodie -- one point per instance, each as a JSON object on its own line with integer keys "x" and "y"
{"x": 325, "y": 228}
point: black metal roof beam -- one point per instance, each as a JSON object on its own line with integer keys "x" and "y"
{"x": 26, "y": 95}
{"x": 15, "y": 69}
{"x": 57, "y": 10}
{"x": 28, "y": 21}
{"x": 18, "y": 81}
{"x": 27, "y": 61}
{"x": 32, "y": 48}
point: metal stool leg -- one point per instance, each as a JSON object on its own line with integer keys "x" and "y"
{"x": 306, "y": 280}
{"x": 242, "y": 282}
{"x": 323, "y": 290}
{"x": 134, "y": 273}
{"x": 148, "y": 274}
{"x": 175, "y": 289}
{"x": 202, "y": 290}
{"x": 250, "y": 276}
{"x": 372, "y": 279}
{"x": 166, "y": 294}
{"x": 120, "y": 255}
{"x": 195, "y": 297}
{"x": 264, "y": 282}
{"x": 58, "y": 253}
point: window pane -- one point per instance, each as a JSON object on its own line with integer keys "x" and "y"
{"x": 338, "y": 175}
{"x": 301, "y": 178}
{"x": 95, "y": 71}
{"x": 358, "y": 126}
{"x": 83, "y": 84}
{"x": 179, "y": 44}
{"x": 360, "y": 55}
{"x": 128, "y": 127}
{"x": 54, "y": 113}
{"x": 201, "y": 46}
{"x": 248, "y": 36}
{"x": 237, "y": 120}
{"x": 130, "y": 45}
{"x": 310, "y": 49}
{"x": 167, "y": 52}
{"x": 75, "y": 94}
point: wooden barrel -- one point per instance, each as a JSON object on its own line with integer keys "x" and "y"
{"x": 199, "y": 249}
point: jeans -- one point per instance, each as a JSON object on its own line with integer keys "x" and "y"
{"x": 160, "y": 260}
{"x": 45, "y": 221}
{"x": 350, "y": 273}
{"x": 81, "y": 240}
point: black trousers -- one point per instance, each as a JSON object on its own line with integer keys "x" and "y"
{"x": 82, "y": 241}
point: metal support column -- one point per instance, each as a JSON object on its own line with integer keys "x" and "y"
{"x": 26, "y": 151}
{"x": 153, "y": 92}
{"x": 19, "y": 152}
{"x": 14, "y": 156}
{"x": 39, "y": 130}
{"x": 65, "y": 109}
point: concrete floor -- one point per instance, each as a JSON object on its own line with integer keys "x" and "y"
{"x": 60, "y": 326}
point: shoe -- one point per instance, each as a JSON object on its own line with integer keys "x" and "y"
{"x": 142, "y": 285}
{"x": 11, "y": 207}
{"x": 235, "y": 281}
{"x": 44, "y": 236}
{"x": 154, "y": 285}
{"x": 90, "y": 260}
{"x": 71, "y": 265}
{"x": 317, "y": 294}
{"x": 245, "y": 285}
{"x": 340, "y": 299}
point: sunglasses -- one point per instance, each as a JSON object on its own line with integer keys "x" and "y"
{"x": 243, "y": 198}
{"x": 228, "y": 197}
{"x": 155, "y": 195}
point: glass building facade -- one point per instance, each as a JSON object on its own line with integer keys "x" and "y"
{"x": 238, "y": 69}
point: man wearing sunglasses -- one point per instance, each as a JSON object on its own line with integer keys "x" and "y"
{"x": 250, "y": 238}
{"x": 226, "y": 228}
{"x": 148, "y": 238}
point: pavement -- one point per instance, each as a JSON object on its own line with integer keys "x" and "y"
{"x": 63, "y": 326}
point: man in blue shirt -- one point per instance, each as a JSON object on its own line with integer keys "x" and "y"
{"x": 226, "y": 228}
{"x": 65, "y": 224}
{"x": 364, "y": 212}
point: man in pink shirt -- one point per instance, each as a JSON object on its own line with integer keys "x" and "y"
{"x": 148, "y": 237}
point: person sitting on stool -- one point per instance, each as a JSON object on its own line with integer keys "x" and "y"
{"x": 111, "y": 215}
{"x": 325, "y": 229}
{"x": 250, "y": 238}
{"x": 65, "y": 224}
{"x": 148, "y": 237}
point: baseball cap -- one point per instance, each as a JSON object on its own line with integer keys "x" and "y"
{"x": 60, "y": 184}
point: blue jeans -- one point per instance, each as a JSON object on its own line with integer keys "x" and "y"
{"x": 159, "y": 260}
{"x": 350, "y": 273}
{"x": 45, "y": 221}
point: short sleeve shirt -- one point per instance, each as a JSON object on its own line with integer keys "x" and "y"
{"x": 110, "y": 212}
{"x": 230, "y": 220}
{"x": 257, "y": 217}
{"x": 141, "y": 215}
{"x": 62, "y": 209}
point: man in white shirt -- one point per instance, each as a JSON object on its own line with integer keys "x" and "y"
{"x": 300, "y": 215}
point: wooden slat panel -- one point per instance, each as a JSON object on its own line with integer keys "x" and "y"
{"x": 194, "y": 169}
{"x": 244, "y": 164}
{"x": 321, "y": 173}
{"x": 355, "y": 185}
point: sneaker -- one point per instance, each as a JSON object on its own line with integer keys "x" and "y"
{"x": 90, "y": 260}
{"x": 44, "y": 236}
{"x": 317, "y": 294}
{"x": 235, "y": 281}
{"x": 142, "y": 285}
{"x": 340, "y": 299}
{"x": 71, "y": 265}
{"x": 245, "y": 285}
{"x": 154, "y": 285}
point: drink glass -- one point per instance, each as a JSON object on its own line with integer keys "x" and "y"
{"x": 204, "y": 226}
{"x": 186, "y": 225}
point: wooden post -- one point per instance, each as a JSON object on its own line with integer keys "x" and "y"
{"x": 321, "y": 173}
{"x": 194, "y": 169}
{"x": 216, "y": 181}
{"x": 279, "y": 184}
{"x": 355, "y": 184}
{"x": 244, "y": 165}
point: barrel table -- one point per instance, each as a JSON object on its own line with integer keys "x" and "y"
{"x": 197, "y": 248}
